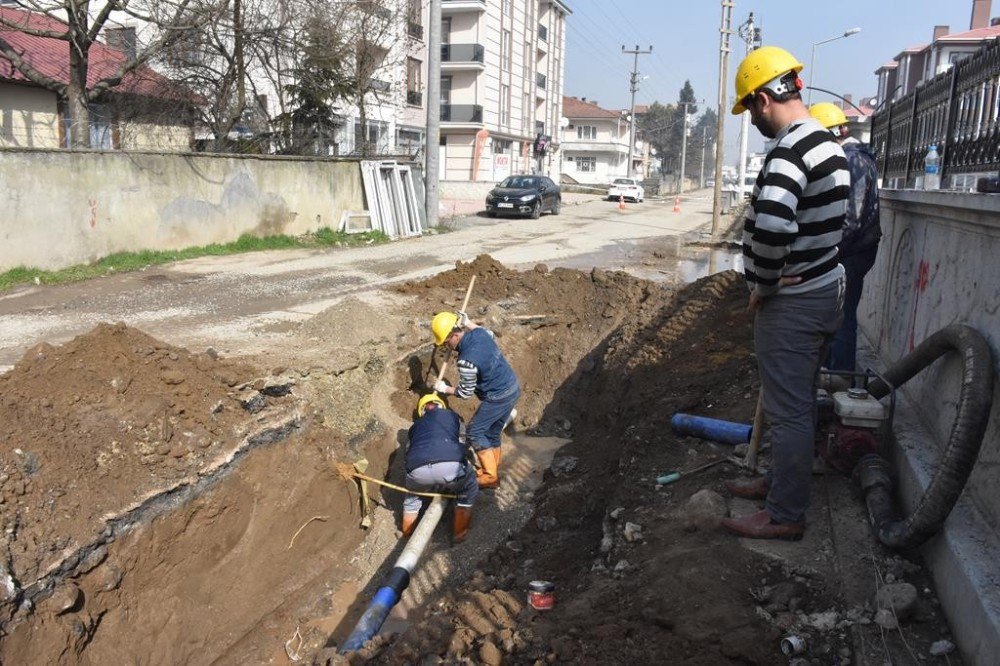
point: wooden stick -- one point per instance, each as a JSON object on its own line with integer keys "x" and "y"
{"x": 465, "y": 304}
{"x": 750, "y": 462}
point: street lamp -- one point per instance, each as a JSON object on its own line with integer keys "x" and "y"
{"x": 812, "y": 62}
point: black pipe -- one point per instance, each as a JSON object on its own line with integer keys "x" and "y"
{"x": 960, "y": 454}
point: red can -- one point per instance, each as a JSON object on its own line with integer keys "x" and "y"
{"x": 541, "y": 594}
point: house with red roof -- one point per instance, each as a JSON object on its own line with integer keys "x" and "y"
{"x": 145, "y": 111}
{"x": 595, "y": 144}
{"x": 922, "y": 62}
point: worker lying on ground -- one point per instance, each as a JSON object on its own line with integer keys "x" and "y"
{"x": 436, "y": 463}
{"x": 483, "y": 371}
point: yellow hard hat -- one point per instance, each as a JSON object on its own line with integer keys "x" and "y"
{"x": 442, "y": 326}
{"x": 430, "y": 397}
{"x": 829, "y": 115}
{"x": 759, "y": 68}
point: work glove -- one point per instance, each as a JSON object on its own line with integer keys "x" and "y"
{"x": 463, "y": 320}
{"x": 440, "y": 386}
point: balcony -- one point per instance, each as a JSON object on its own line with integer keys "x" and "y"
{"x": 463, "y": 56}
{"x": 462, "y": 114}
{"x": 379, "y": 86}
{"x": 414, "y": 98}
{"x": 456, "y": 6}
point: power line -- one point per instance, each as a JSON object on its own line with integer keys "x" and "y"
{"x": 634, "y": 88}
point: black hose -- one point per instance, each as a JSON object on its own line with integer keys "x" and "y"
{"x": 960, "y": 454}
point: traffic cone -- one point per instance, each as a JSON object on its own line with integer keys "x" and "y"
{"x": 677, "y": 204}
{"x": 621, "y": 203}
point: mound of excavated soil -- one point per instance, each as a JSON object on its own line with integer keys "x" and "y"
{"x": 90, "y": 428}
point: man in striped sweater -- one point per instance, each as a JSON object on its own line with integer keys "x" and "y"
{"x": 790, "y": 239}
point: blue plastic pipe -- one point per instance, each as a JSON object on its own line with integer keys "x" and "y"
{"x": 389, "y": 594}
{"x": 725, "y": 432}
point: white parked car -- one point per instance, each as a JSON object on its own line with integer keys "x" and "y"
{"x": 628, "y": 188}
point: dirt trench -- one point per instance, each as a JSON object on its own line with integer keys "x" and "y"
{"x": 164, "y": 506}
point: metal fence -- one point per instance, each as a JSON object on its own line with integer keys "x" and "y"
{"x": 958, "y": 110}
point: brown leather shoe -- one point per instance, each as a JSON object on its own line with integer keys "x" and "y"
{"x": 755, "y": 488}
{"x": 760, "y": 526}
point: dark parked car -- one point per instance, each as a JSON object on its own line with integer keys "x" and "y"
{"x": 524, "y": 195}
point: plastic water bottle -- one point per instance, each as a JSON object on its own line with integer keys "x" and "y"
{"x": 932, "y": 169}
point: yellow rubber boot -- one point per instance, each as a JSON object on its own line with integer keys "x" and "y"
{"x": 460, "y": 523}
{"x": 409, "y": 522}
{"x": 488, "y": 475}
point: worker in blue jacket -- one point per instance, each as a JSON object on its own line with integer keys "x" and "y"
{"x": 436, "y": 463}
{"x": 483, "y": 371}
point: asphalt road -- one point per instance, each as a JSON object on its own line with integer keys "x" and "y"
{"x": 223, "y": 301}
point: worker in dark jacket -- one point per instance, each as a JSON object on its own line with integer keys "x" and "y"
{"x": 862, "y": 231}
{"x": 436, "y": 463}
{"x": 484, "y": 372}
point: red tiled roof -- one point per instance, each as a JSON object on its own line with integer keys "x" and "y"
{"x": 913, "y": 49}
{"x": 577, "y": 108}
{"x": 977, "y": 35}
{"x": 50, "y": 57}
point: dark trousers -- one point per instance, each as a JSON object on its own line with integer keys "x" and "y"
{"x": 487, "y": 423}
{"x": 790, "y": 332}
{"x": 844, "y": 348}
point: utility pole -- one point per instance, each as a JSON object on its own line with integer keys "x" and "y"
{"x": 432, "y": 162}
{"x": 634, "y": 88}
{"x": 725, "y": 32}
{"x": 704, "y": 140}
{"x": 751, "y": 37}
{"x": 684, "y": 143}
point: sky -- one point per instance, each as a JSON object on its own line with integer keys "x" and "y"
{"x": 684, "y": 35}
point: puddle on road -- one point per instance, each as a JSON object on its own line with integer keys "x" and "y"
{"x": 674, "y": 260}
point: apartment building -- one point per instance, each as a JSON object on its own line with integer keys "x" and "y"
{"x": 502, "y": 71}
{"x": 922, "y": 62}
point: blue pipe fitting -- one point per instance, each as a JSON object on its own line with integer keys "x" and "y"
{"x": 725, "y": 432}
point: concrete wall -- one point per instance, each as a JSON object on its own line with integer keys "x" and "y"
{"x": 937, "y": 265}
{"x": 63, "y": 208}
{"x": 28, "y": 117}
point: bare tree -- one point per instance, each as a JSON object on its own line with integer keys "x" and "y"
{"x": 80, "y": 23}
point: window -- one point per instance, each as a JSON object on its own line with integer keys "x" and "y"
{"x": 413, "y": 85}
{"x": 526, "y": 63}
{"x": 505, "y": 51}
{"x": 586, "y": 132}
{"x": 526, "y": 113}
{"x": 586, "y": 164}
{"x": 446, "y": 30}
{"x": 446, "y": 90}
{"x": 505, "y": 7}
{"x": 504, "y": 104}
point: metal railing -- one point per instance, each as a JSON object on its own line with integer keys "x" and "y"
{"x": 414, "y": 29}
{"x": 414, "y": 97}
{"x": 958, "y": 111}
{"x": 463, "y": 53}
{"x": 461, "y": 113}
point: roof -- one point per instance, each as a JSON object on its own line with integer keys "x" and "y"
{"x": 50, "y": 56}
{"x": 917, "y": 48}
{"x": 866, "y": 109}
{"x": 577, "y": 108}
{"x": 977, "y": 35}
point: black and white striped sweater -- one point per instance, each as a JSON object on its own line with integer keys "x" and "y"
{"x": 796, "y": 213}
